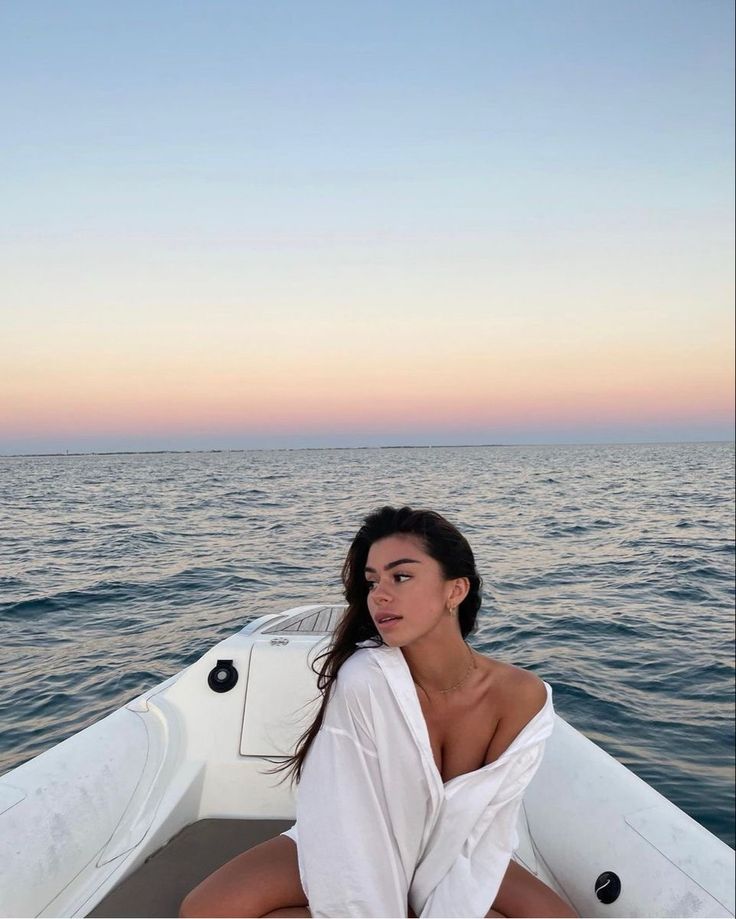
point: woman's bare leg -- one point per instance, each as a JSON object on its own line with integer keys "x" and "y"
{"x": 521, "y": 894}
{"x": 255, "y": 883}
{"x": 290, "y": 911}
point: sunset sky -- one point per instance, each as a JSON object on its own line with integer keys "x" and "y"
{"x": 264, "y": 224}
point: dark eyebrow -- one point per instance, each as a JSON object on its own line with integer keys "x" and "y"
{"x": 400, "y": 561}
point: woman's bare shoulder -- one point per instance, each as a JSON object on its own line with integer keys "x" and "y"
{"x": 522, "y": 696}
{"x": 521, "y": 692}
{"x": 506, "y": 672}
{"x": 500, "y": 671}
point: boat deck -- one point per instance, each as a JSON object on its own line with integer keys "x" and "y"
{"x": 158, "y": 886}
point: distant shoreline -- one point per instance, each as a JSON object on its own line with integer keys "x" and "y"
{"x": 643, "y": 443}
{"x": 267, "y": 449}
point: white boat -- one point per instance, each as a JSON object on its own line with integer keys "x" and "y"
{"x": 125, "y": 817}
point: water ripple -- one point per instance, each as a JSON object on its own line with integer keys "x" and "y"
{"x": 608, "y": 570}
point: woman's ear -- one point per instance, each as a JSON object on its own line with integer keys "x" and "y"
{"x": 460, "y": 590}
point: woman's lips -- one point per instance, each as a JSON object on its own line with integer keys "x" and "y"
{"x": 389, "y": 623}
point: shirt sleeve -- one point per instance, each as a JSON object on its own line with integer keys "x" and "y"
{"x": 350, "y": 860}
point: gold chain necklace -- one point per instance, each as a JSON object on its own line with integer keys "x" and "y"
{"x": 467, "y": 674}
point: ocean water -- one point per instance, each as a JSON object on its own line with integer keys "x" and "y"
{"x": 608, "y": 570}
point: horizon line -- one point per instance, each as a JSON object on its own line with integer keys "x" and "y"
{"x": 611, "y": 443}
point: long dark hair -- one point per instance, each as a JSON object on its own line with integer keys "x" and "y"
{"x": 440, "y": 540}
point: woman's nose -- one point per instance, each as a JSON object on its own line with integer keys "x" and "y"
{"x": 379, "y": 592}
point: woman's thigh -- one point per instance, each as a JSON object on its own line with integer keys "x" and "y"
{"x": 256, "y": 882}
{"x": 521, "y": 894}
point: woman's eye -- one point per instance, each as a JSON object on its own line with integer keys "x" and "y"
{"x": 372, "y": 584}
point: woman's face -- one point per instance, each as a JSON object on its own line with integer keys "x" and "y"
{"x": 404, "y": 581}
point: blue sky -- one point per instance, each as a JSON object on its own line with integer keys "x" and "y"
{"x": 325, "y": 98}
{"x": 203, "y": 178}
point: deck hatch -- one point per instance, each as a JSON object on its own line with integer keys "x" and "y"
{"x": 282, "y": 698}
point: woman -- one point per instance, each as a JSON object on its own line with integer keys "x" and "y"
{"x": 416, "y": 725}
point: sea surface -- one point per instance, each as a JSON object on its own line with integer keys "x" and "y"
{"x": 608, "y": 571}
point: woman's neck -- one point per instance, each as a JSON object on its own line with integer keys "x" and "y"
{"x": 442, "y": 668}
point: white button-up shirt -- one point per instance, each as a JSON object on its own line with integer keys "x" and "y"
{"x": 377, "y": 828}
